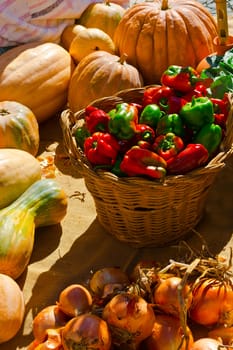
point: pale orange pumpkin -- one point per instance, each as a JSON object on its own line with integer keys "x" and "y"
{"x": 36, "y": 75}
{"x": 100, "y": 74}
{"x": 18, "y": 127}
{"x": 104, "y": 15}
{"x": 161, "y": 33}
{"x": 69, "y": 34}
{"x": 88, "y": 40}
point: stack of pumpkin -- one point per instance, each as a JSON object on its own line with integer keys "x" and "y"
{"x": 108, "y": 50}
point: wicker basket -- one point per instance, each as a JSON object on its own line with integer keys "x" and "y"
{"x": 139, "y": 211}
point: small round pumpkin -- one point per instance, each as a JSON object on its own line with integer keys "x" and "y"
{"x": 88, "y": 40}
{"x": 18, "y": 127}
{"x": 69, "y": 34}
{"x": 105, "y": 16}
{"x": 161, "y": 33}
{"x": 36, "y": 75}
{"x": 100, "y": 74}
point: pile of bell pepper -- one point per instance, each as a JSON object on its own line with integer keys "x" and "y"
{"x": 178, "y": 127}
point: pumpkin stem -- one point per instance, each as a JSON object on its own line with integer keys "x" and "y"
{"x": 164, "y": 5}
{"x": 123, "y": 58}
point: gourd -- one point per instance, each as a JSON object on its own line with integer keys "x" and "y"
{"x": 43, "y": 203}
{"x": 18, "y": 127}
{"x": 104, "y": 15}
{"x": 69, "y": 34}
{"x": 161, "y": 33}
{"x": 36, "y": 75}
{"x": 88, "y": 40}
{"x": 18, "y": 170}
{"x": 12, "y": 308}
{"x": 98, "y": 75}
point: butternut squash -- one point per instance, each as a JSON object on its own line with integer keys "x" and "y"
{"x": 43, "y": 203}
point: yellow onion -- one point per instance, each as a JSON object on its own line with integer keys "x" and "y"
{"x": 12, "y": 308}
{"x": 51, "y": 317}
{"x": 52, "y": 342}
{"x": 75, "y": 300}
{"x": 167, "y": 334}
{"x": 87, "y": 332}
{"x": 212, "y": 302}
{"x": 108, "y": 276}
{"x": 168, "y": 294}
{"x": 130, "y": 317}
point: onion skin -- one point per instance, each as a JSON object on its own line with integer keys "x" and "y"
{"x": 107, "y": 276}
{"x": 51, "y": 317}
{"x": 130, "y": 318}
{"x": 167, "y": 334}
{"x": 12, "y": 308}
{"x": 212, "y": 303}
{"x": 52, "y": 342}
{"x": 86, "y": 331}
{"x": 166, "y": 295}
{"x": 223, "y": 333}
{"x": 75, "y": 300}
{"x": 207, "y": 344}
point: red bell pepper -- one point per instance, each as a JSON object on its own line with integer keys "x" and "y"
{"x": 144, "y": 133}
{"x": 96, "y": 119}
{"x": 143, "y": 162}
{"x": 168, "y": 145}
{"x": 101, "y": 149}
{"x": 221, "y": 109}
{"x": 190, "y": 158}
{"x": 200, "y": 90}
{"x": 182, "y": 79}
{"x": 165, "y": 98}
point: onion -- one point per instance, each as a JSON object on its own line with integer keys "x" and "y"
{"x": 170, "y": 293}
{"x": 212, "y": 302}
{"x": 223, "y": 333}
{"x": 53, "y": 341}
{"x": 75, "y": 300}
{"x": 130, "y": 318}
{"x": 207, "y": 344}
{"x": 167, "y": 334}
{"x": 107, "y": 275}
{"x": 12, "y": 308}
{"x": 87, "y": 332}
{"x": 51, "y": 317}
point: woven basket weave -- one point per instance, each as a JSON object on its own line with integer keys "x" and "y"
{"x": 139, "y": 211}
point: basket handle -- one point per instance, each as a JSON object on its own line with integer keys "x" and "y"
{"x": 222, "y": 21}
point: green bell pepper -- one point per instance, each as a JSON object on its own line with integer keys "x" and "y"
{"x": 123, "y": 121}
{"x": 170, "y": 123}
{"x": 197, "y": 112}
{"x": 80, "y": 135}
{"x": 150, "y": 115}
{"x": 210, "y": 136}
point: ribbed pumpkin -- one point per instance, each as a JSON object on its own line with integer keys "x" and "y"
{"x": 105, "y": 16}
{"x": 36, "y": 75}
{"x": 18, "y": 127}
{"x": 100, "y": 74}
{"x": 158, "y": 34}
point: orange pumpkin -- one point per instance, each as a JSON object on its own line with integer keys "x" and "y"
{"x": 18, "y": 127}
{"x": 158, "y": 34}
{"x": 100, "y": 74}
{"x": 36, "y": 75}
